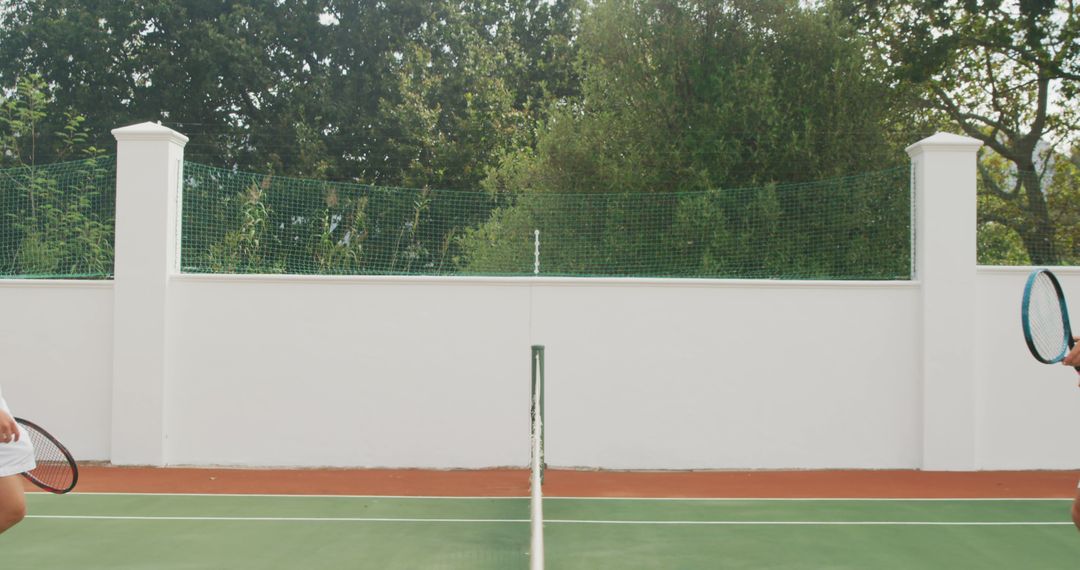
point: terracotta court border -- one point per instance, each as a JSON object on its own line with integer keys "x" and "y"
{"x": 582, "y": 483}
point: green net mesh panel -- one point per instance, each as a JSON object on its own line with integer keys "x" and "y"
{"x": 236, "y": 222}
{"x": 848, "y": 228}
{"x": 1016, "y": 230}
{"x": 56, "y": 220}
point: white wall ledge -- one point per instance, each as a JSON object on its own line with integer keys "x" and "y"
{"x": 1025, "y": 269}
{"x": 58, "y": 283}
{"x": 541, "y": 281}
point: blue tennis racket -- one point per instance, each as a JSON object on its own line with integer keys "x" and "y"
{"x": 1045, "y": 318}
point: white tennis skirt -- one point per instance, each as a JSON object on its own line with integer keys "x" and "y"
{"x": 18, "y": 456}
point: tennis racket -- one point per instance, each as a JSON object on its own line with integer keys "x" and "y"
{"x": 56, "y": 470}
{"x": 1045, "y": 318}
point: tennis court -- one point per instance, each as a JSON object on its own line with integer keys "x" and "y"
{"x": 180, "y": 518}
{"x": 167, "y": 530}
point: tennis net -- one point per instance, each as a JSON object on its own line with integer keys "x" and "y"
{"x": 537, "y": 465}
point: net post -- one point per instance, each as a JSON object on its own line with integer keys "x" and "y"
{"x": 539, "y": 389}
{"x": 536, "y": 476}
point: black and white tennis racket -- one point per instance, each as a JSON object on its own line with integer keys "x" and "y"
{"x": 1045, "y": 318}
{"x": 56, "y": 470}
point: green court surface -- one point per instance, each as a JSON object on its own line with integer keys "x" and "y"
{"x": 128, "y": 531}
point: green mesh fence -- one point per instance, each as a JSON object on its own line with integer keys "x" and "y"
{"x": 1017, "y": 229}
{"x": 848, "y": 228}
{"x": 235, "y": 222}
{"x": 56, "y": 220}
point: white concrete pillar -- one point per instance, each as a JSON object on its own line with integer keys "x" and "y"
{"x": 943, "y": 174}
{"x": 149, "y": 159}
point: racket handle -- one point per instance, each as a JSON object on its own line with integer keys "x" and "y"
{"x": 1072, "y": 344}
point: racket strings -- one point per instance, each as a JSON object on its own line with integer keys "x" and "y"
{"x": 1046, "y": 321}
{"x": 53, "y": 467}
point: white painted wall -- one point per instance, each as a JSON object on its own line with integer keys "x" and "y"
{"x": 434, "y": 372}
{"x": 731, "y": 374}
{"x": 349, "y": 371}
{"x": 412, "y": 372}
{"x": 1028, "y": 413}
{"x": 56, "y": 359}
{"x": 418, "y": 372}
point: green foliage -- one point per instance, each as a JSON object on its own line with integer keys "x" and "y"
{"x": 21, "y": 116}
{"x": 856, "y": 228}
{"x": 1003, "y": 72}
{"x": 337, "y": 256}
{"x": 57, "y": 218}
{"x": 1000, "y": 245}
{"x": 412, "y": 92}
{"x": 1009, "y": 231}
{"x": 237, "y": 222}
{"x": 241, "y": 250}
{"x": 683, "y": 104}
{"x": 642, "y": 137}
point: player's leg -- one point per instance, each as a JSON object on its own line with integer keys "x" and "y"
{"x": 1076, "y": 510}
{"x": 12, "y": 501}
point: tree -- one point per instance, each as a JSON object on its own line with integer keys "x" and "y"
{"x": 311, "y": 87}
{"x": 1003, "y": 72}
{"x": 1000, "y": 242}
{"x": 220, "y": 70}
{"x": 412, "y": 92}
{"x": 55, "y": 218}
{"x": 682, "y": 97}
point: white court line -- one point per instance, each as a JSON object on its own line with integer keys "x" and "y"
{"x": 273, "y": 495}
{"x": 274, "y": 519}
{"x": 822, "y": 523}
{"x": 557, "y": 521}
{"x": 813, "y": 499}
{"x": 556, "y": 498}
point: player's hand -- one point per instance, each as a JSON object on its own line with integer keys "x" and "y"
{"x": 9, "y": 430}
{"x": 1073, "y": 358}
